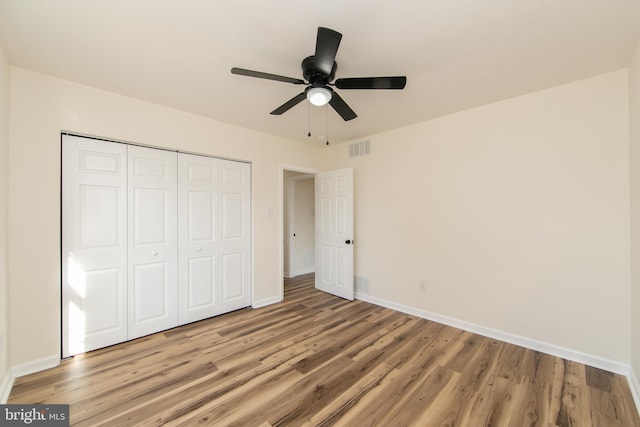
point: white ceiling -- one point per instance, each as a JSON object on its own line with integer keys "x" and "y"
{"x": 456, "y": 54}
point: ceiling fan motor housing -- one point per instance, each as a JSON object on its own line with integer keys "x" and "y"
{"x": 313, "y": 75}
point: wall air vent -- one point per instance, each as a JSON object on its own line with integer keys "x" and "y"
{"x": 359, "y": 149}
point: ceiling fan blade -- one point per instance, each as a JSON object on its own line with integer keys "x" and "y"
{"x": 261, "y": 75}
{"x": 327, "y": 43}
{"x": 289, "y": 104}
{"x": 342, "y": 108}
{"x": 396, "y": 82}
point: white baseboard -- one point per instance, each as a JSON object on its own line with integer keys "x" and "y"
{"x": 299, "y": 273}
{"x": 266, "y": 301}
{"x": 5, "y": 387}
{"x": 25, "y": 369}
{"x": 552, "y": 349}
{"x": 634, "y": 385}
{"x": 305, "y": 271}
{"x": 35, "y": 366}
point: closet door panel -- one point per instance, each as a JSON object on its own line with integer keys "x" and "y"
{"x": 152, "y": 238}
{"x": 198, "y": 206}
{"x": 233, "y": 277}
{"x": 94, "y": 244}
{"x": 235, "y": 234}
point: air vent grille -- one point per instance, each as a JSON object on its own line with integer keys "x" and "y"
{"x": 359, "y": 149}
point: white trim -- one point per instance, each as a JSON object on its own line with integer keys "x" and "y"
{"x": 35, "y": 366}
{"x": 293, "y": 168}
{"x": 302, "y": 177}
{"x": 6, "y": 386}
{"x": 305, "y": 271}
{"x": 266, "y": 301}
{"x": 634, "y": 386}
{"x": 25, "y": 369}
{"x": 552, "y": 349}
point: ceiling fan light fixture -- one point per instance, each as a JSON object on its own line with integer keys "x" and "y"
{"x": 319, "y": 95}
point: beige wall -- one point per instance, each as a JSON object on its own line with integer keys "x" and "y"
{"x": 42, "y": 106}
{"x": 4, "y": 200}
{"x": 634, "y": 137}
{"x": 516, "y": 214}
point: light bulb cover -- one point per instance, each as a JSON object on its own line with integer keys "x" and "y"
{"x": 319, "y": 95}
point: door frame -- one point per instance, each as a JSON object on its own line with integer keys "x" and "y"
{"x": 283, "y": 188}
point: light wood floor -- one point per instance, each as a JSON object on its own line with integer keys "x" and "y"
{"x": 315, "y": 359}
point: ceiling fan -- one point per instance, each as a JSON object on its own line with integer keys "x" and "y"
{"x": 318, "y": 71}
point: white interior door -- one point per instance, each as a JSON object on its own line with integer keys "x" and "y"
{"x": 334, "y": 232}
{"x": 94, "y": 244}
{"x": 153, "y": 240}
{"x": 198, "y": 206}
{"x": 235, "y": 234}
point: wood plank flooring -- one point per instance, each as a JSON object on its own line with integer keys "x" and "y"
{"x": 318, "y": 360}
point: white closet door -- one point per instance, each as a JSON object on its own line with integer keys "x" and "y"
{"x": 214, "y": 237}
{"x": 152, "y": 240}
{"x": 198, "y": 206}
{"x": 94, "y": 244}
{"x": 235, "y": 234}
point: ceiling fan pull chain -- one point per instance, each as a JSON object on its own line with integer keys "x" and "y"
{"x": 309, "y": 119}
{"x": 327, "y": 110}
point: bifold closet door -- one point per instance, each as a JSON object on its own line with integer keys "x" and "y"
{"x": 150, "y": 239}
{"x": 214, "y": 236}
{"x": 94, "y": 244}
{"x": 153, "y": 240}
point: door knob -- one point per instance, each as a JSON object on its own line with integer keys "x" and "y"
{"x": 349, "y": 242}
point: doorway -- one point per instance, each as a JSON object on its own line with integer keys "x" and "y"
{"x": 299, "y": 223}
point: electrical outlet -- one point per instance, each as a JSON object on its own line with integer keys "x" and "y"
{"x": 422, "y": 285}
